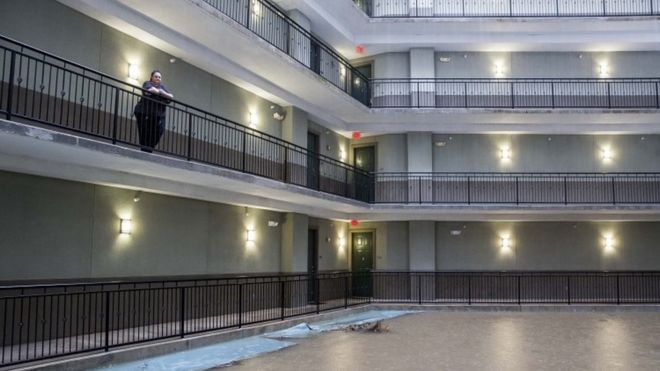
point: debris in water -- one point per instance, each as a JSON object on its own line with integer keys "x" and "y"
{"x": 376, "y": 327}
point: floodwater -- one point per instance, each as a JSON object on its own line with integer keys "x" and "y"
{"x": 480, "y": 341}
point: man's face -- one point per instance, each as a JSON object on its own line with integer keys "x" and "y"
{"x": 155, "y": 78}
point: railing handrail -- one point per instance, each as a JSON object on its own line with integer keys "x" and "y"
{"x": 149, "y": 281}
{"x": 367, "y": 7}
{"x": 506, "y": 174}
{"x": 124, "y": 85}
{"x": 516, "y": 79}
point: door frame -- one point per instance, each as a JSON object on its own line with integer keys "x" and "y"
{"x": 373, "y": 250}
{"x": 360, "y": 145}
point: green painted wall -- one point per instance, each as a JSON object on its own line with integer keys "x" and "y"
{"x": 55, "y": 28}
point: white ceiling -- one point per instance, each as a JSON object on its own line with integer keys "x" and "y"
{"x": 342, "y": 25}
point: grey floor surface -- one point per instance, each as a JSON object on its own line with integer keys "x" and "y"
{"x": 481, "y": 341}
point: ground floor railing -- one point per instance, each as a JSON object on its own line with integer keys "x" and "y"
{"x": 517, "y": 287}
{"x": 46, "y": 321}
{"x": 40, "y": 322}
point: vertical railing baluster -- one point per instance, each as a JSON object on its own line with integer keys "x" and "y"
{"x": 190, "y": 121}
{"x": 10, "y": 88}
{"x": 240, "y": 305}
{"x": 107, "y": 321}
{"x": 182, "y": 311}
{"x": 115, "y": 118}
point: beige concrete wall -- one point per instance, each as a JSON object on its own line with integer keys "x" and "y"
{"x": 55, "y": 28}
{"x": 56, "y": 229}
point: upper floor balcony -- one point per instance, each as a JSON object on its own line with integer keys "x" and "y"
{"x": 40, "y": 88}
{"x": 507, "y": 8}
{"x": 259, "y": 47}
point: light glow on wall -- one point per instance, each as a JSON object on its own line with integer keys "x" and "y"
{"x": 342, "y": 154}
{"x": 499, "y": 70}
{"x": 603, "y": 70}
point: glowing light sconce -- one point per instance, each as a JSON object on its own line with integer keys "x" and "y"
{"x": 603, "y": 70}
{"x": 505, "y": 154}
{"x": 125, "y": 226}
{"x": 133, "y": 71}
{"x": 608, "y": 244}
{"x": 341, "y": 243}
{"x": 499, "y": 70}
{"x": 606, "y": 154}
{"x": 252, "y": 120}
{"x": 342, "y": 71}
{"x": 250, "y": 235}
{"x": 255, "y": 7}
{"x": 342, "y": 155}
{"x": 505, "y": 244}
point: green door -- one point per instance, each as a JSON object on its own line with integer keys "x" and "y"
{"x": 364, "y": 159}
{"x": 362, "y": 259}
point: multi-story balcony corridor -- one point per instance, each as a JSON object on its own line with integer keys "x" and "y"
{"x": 39, "y": 87}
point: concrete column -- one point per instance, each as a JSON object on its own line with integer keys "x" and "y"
{"x": 294, "y": 126}
{"x": 420, "y": 160}
{"x": 422, "y": 66}
{"x": 293, "y": 257}
{"x": 421, "y": 257}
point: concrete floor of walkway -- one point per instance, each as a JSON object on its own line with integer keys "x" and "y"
{"x": 481, "y": 341}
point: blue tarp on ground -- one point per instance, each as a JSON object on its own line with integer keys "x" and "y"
{"x": 231, "y": 351}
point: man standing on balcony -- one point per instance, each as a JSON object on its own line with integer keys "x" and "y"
{"x": 150, "y": 111}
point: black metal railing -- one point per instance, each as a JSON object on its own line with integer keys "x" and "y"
{"x": 39, "y": 87}
{"x": 46, "y": 321}
{"x": 517, "y": 188}
{"x": 517, "y": 288}
{"x": 267, "y": 21}
{"x": 42, "y": 88}
{"x": 507, "y": 8}
{"x": 616, "y": 93}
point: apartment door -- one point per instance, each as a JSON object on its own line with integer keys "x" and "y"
{"x": 312, "y": 264}
{"x": 364, "y": 158}
{"x": 313, "y": 160}
{"x": 362, "y": 262}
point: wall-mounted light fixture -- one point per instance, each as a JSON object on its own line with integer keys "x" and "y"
{"x": 250, "y": 235}
{"x": 133, "y": 71}
{"x": 342, "y": 154}
{"x": 606, "y": 154}
{"x": 341, "y": 242}
{"x": 608, "y": 243}
{"x": 252, "y": 120}
{"x": 603, "y": 70}
{"x": 342, "y": 70}
{"x": 505, "y": 154}
{"x": 137, "y": 196}
{"x": 125, "y": 226}
{"x": 255, "y": 7}
{"x": 505, "y": 243}
{"x": 499, "y": 70}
